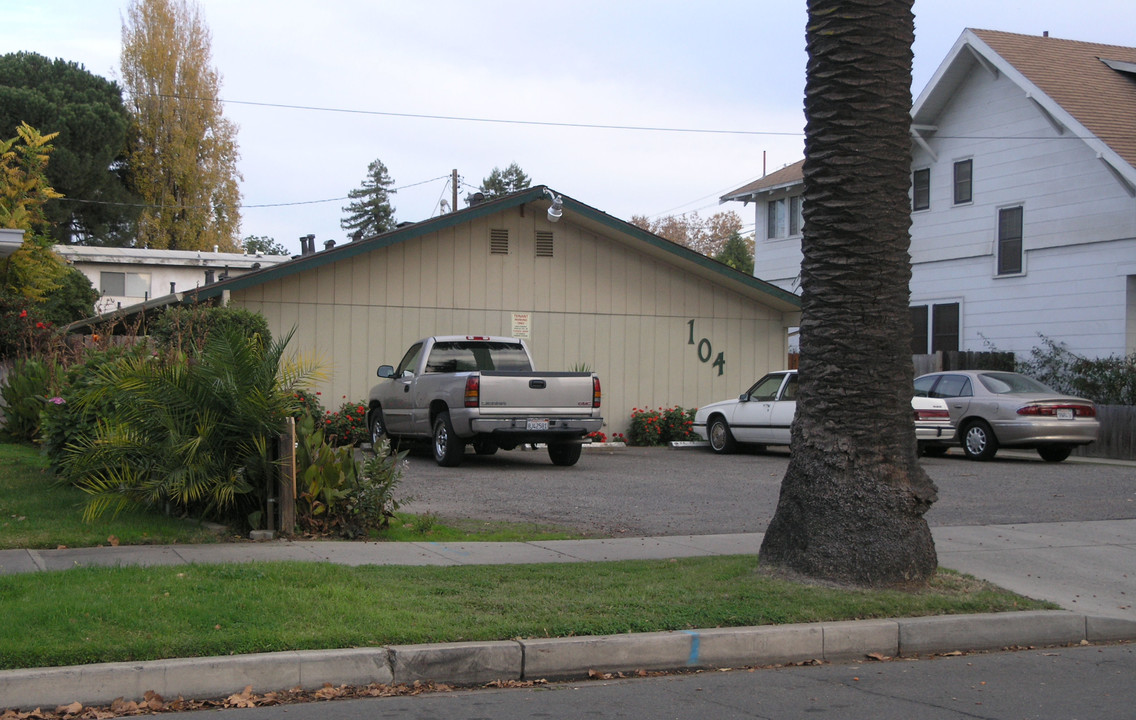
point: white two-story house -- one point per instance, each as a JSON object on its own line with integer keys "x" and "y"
{"x": 1023, "y": 199}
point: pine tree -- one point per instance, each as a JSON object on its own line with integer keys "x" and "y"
{"x": 502, "y": 182}
{"x": 371, "y": 213}
{"x": 183, "y": 159}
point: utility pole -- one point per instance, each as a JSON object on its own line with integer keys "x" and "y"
{"x": 454, "y": 187}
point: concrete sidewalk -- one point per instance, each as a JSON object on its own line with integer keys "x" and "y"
{"x": 1085, "y": 567}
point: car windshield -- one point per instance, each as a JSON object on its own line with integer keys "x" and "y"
{"x": 766, "y": 388}
{"x": 1012, "y": 384}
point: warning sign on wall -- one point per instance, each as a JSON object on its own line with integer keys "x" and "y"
{"x": 521, "y": 325}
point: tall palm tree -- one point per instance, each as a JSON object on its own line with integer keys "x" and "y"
{"x": 854, "y": 495}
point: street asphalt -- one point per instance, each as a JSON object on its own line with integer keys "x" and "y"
{"x": 1085, "y": 567}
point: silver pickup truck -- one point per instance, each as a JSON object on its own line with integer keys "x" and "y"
{"x": 459, "y": 389}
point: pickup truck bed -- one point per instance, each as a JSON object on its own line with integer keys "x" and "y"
{"x": 447, "y": 390}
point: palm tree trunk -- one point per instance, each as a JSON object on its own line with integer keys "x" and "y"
{"x": 854, "y": 495}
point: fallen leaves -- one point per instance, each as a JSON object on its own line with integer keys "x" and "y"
{"x": 153, "y": 703}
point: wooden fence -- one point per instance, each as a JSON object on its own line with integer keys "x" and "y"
{"x": 1117, "y": 439}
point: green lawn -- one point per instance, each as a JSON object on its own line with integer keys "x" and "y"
{"x": 37, "y": 513}
{"x": 88, "y": 615}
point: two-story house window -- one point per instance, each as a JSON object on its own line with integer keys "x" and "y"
{"x": 964, "y": 181}
{"x": 934, "y": 328}
{"x": 921, "y": 189}
{"x": 1010, "y": 240}
{"x": 783, "y": 217}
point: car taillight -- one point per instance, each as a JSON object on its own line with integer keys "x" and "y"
{"x": 472, "y": 391}
{"x": 596, "y": 394}
{"x": 1087, "y": 411}
{"x": 932, "y": 415}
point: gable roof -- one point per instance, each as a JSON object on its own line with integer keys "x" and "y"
{"x": 1086, "y": 90}
{"x": 787, "y": 176}
{"x": 537, "y": 197}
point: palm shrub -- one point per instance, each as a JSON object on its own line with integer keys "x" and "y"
{"x": 25, "y": 394}
{"x": 187, "y": 431}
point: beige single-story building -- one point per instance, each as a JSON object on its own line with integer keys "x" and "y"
{"x": 660, "y": 324}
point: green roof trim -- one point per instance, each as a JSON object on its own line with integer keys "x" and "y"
{"x": 409, "y": 232}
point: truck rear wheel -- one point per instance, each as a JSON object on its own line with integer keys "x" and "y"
{"x": 564, "y": 453}
{"x": 448, "y": 447}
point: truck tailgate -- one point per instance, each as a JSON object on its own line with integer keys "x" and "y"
{"x": 536, "y": 393}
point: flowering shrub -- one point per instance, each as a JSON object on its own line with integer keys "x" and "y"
{"x": 348, "y": 425}
{"x": 618, "y": 438}
{"x": 661, "y": 426}
{"x": 597, "y": 437}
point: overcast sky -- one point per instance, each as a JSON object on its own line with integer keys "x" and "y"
{"x": 733, "y": 67}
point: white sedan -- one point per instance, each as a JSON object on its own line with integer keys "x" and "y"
{"x": 763, "y": 415}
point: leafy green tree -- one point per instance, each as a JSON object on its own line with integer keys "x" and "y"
{"x": 737, "y": 253}
{"x": 183, "y": 154}
{"x": 88, "y": 163}
{"x": 370, "y": 212}
{"x": 73, "y": 299}
{"x": 24, "y": 186}
{"x": 264, "y": 245}
{"x": 854, "y": 495}
{"x": 502, "y": 182}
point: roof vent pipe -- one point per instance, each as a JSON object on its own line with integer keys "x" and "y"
{"x": 328, "y": 244}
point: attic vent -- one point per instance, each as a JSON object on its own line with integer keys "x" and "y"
{"x": 498, "y": 241}
{"x": 544, "y": 243}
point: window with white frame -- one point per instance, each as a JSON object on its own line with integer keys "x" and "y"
{"x": 1010, "y": 240}
{"x": 783, "y": 217}
{"x": 964, "y": 181}
{"x": 921, "y": 189}
{"x": 124, "y": 284}
{"x": 934, "y": 328}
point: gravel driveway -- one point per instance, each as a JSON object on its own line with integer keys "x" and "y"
{"x": 691, "y": 491}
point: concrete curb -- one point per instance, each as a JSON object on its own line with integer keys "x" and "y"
{"x": 553, "y": 658}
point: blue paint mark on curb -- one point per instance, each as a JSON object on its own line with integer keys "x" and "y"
{"x": 695, "y": 641}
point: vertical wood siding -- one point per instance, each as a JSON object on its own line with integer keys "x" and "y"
{"x": 597, "y": 301}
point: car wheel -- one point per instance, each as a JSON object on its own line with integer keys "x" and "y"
{"x": 564, "y": 453}
{"x": 1054, "y": 453}
{"x": 378, "y": 430}
{"x": 933, "y": 450}
{"x": 484, "y": 446}
{"x": 721, "y": 439}
{"x": 448, "y": 447}
{"x": 978, "y": 441}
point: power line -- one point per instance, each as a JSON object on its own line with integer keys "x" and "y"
{"x": 242, "y": 207}
{"x": 499, "y": 121}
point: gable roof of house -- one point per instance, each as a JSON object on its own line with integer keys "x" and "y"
{"x": 787, "y": 176}
{"x": 1086, "y": 90}
{"x": 533, "y": 199}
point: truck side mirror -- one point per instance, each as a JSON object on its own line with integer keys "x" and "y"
{"x": 386, "y": 371}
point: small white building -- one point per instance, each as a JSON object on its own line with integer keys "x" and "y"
{"x": 1023, "y": 199}
{"x": 128, "y": 276}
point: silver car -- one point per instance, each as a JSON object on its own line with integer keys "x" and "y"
{"x": 993, "y": 409}
{"x": 763, "y": 415}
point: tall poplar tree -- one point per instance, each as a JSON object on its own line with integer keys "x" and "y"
{"x": 183, "y": 163}
{"x": 854, "y": 495}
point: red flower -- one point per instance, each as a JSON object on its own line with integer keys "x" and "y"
{"x": 23, "y": 313}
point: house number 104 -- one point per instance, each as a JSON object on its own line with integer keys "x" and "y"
{"x": 705, "y": 350}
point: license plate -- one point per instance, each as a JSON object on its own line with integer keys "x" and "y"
{"x": 1064, "y": 413}
{"x": 536, "y": 424}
